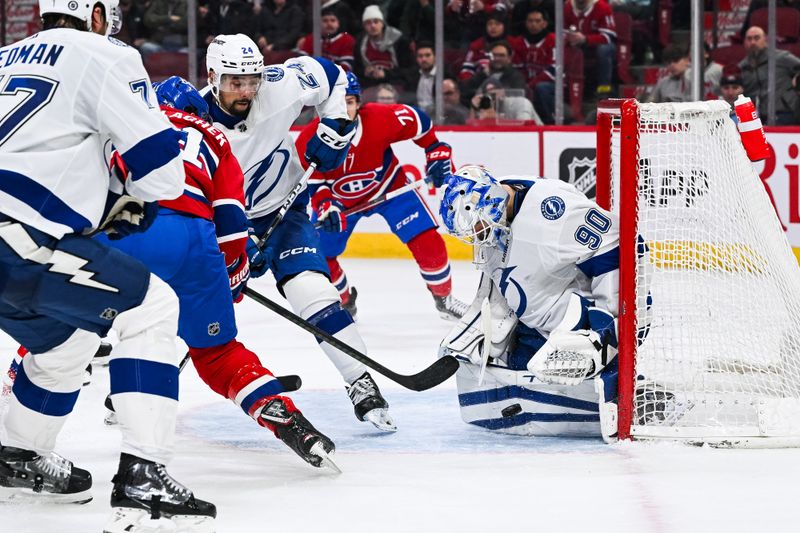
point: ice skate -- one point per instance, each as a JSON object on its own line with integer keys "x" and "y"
{"x": 350, "y": 306}
{"x": 28, "y": 476}
{"x": 450, "y": 307}
{"x": 146, "y": 499}
{"x": 103, "y": 355}
{"x": 369, "y": 404}
{"x": 289, "y": 425}
{"x": 111, "y": 416}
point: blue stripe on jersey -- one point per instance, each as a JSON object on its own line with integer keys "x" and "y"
{"x": 270, "y": 388}
{"x": 141, "y": 375}
{"x": 331, "y": 72}
{"x": 229, "y": 219}
{"x": 424, "y": 120}
{"x": 153, "y": 152}
{"x": 524, "y": 418}
{"x": 514, "y": 391}
{"x": 38, "y": 197}
{"x": 436, "y": 277}
{"x": 601, "y": 264}
{"x": 205, "y": 151}
{"x": 198, "y": 197}
{"x": 342, "y": 284}
{"x": 42, "y": 400}
{"x": 332, "y": 319}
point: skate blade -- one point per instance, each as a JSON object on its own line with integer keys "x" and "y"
{"x": 129, "y": 520}
{"x": 27, "y": 496}
{"x": 381, "y": 419}
{"x": 326, "y": 458}
{"x": 449, "y": 317}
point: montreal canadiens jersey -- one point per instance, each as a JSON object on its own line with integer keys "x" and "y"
{"x": 371, "y": 168}
{"x": 560, "y": 243}
{"x": 65, "y": 96}
{"x": 261, "y": 142}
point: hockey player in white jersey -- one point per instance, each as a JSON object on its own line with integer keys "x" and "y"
{"x": 255, "y": 106}
{"x": 67, "y": 93}
{"x": 547, "y": 301}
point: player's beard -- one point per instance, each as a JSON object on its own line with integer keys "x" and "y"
{"x": 238, "y": 110}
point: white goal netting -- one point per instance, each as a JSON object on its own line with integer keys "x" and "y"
{"x": 721, "y": 359}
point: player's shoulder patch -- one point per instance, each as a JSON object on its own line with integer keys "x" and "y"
{"x": 553, "y": 207}
{"x": 117, "y": 42}
{"x": 273, "y": 74}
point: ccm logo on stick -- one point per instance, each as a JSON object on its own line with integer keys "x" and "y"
{"x": 297, "y": 251}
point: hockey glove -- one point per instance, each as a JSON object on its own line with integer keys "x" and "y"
{"x": 328, "y": 147}
{"x": 128, "y": 215}
{"x": 569, "y": 357}
{"x": 238, "y": 274}
{"x": 258, "y": 260}
{"x": 439, "y": 163}
{"x": 331, "y": 217}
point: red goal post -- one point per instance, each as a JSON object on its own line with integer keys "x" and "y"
{"x": 709, "y": 306}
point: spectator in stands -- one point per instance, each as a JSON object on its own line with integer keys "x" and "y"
{"x": 478, "y": 54}
{"x": 712, "y": 74}
{"x": 225, "y": 17}
{"x": 383, "y": 54}
{"x": 495, "y": 101}
{"x": 133, "y": 31}
{"x": 519, "y": 14}
{"x": 454, "y": 111}
{"x": 386, "y": 94}
{"x": 166, "y": 22}
{"x": 540, "y": 48}
{"x": 676, "y": 85}
{"x": 337, "y": 45}
{"x": 731, "y": 87}
{"x": 421, "y": 80}
{"x": 471, "y": 15}
{"x": 346, "y": 14}
{"x": 759, "y": 4}
{"x": 590, "y": 25}
{"x": 754, "y": 76}
{"x": 417, "y": 23}
{"x": 499, "y": 72}
{"x": 280, "y": 25}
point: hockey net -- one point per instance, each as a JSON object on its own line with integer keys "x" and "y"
{"x": 709, "y": 323}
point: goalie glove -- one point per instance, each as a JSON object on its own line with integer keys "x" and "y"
{"x": 570, "y": 357}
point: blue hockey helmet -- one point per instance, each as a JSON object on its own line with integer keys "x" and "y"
{"x": 353, "y": 87}
{"x": 178, "y": 93}
{"x": 473, "y": 206}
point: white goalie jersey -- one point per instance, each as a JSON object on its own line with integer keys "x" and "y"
{"x": 261, "y": 142}
{"x": 65, "y": 96}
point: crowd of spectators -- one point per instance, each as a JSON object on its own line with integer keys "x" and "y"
{"x": 499, "y": 54}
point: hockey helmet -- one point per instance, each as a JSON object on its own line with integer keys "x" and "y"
{"x": 233, "y": 55}
{"x": 82, "y": 10}
{"x": 473, "y": 206}
{"x": 353, "y": 87}
{"x": 178, "y": 93}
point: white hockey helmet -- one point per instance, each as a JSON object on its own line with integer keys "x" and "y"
{"x": 232, "y": 54}
{"x": 473, "y": 206}
{"x": 82, "y": 10}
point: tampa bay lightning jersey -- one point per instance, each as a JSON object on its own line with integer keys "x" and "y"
{"x": 560, "y": 243}
{"x": 65, "y": 97}
{"x": 262, "y": 143}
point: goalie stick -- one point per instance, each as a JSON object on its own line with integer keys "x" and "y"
{"x": 380, "y": 199}
{"x": 430, "y": 377}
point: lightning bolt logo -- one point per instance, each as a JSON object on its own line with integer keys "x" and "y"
{"x": 72, "y": 265}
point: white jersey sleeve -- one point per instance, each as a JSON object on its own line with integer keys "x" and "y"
{"x": 128, "y": 113}
{"x": 323, "y": 84}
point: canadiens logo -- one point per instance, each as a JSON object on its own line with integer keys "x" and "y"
{"x": 357, "y": 185}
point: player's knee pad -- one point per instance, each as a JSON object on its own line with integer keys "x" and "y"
{"x": 310, "y": 292}
{"x": 150, "y": 328}
{"x": 61, "y": 369}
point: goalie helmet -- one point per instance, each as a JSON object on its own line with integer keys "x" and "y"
{"x": 178, "y": 93}
{"x": 473, "y": 206}
{"x": 82, "y": 10}
{"x": 234, "y": 55}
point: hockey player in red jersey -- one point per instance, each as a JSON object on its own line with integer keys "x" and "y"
{"x": 207, "y": 219}
{"x": 370, "y": 170}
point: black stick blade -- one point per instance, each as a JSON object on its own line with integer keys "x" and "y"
{"x": 436, "y": 374}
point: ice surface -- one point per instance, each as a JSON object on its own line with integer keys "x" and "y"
{"x": 436, "y": 474}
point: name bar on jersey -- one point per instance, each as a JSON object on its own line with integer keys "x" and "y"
{"x": 42, "y": 53}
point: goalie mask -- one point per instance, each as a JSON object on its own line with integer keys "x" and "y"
{"x": 234, "y": 64}
{"x": 473, "y": 206}
{"x": 83, "y": 11}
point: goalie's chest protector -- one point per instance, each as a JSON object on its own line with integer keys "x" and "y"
{"x": 540, "y": 265}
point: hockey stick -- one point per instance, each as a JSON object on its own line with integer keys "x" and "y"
{"x": 428, "y": 378}
{"x": 380, "y": 199}
{"x": 286, "y": 205}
